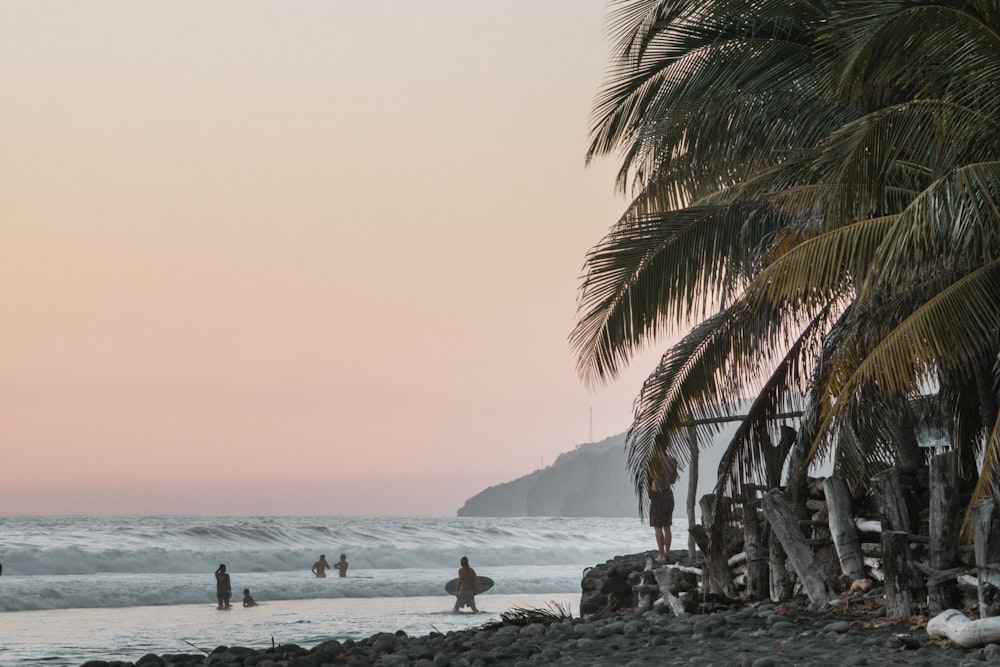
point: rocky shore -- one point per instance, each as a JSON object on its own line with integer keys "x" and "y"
{"x": 755, "y": 635}
{"x": 854, "y": 631}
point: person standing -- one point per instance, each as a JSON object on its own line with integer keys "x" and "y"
{"x": 661, "y": 504}
{"x": 223, "y": 589}
{"x": 341, "y": 565}
{"x": 465, "y": 592}
{"x": 320, "y": 567}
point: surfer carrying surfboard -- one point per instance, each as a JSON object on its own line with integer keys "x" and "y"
{"x": 465, "y": 592}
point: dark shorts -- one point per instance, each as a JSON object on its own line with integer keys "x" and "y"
{"x": 661, "y": 508}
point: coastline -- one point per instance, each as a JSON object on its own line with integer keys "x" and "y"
{"x": 853, "y": 630}
{"x": 757, "y": 635}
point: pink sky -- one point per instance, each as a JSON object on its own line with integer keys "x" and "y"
{"x": 294, "y": 258}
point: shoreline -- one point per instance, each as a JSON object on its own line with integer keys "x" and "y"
{"x": 756, "y": 634}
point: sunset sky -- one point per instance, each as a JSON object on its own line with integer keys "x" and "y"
{"x": 295, "y": 257}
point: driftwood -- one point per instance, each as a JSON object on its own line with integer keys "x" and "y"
{"x": 659, "y": 582}
{"x": 986, "y": 525}
{"x": 646, "y": 588}
{"x": 959, "y": 629}
{"x": 757, "y": 585}
{"x": 868, "y": 525}
{"x": 937, "y": 577}
{"x": 842, "y": 528}
{"x": 780, "y": 583}
{"x": 662, "y": 575}
{"x": 715, "y": 569}
{"x": 781, "y": 515}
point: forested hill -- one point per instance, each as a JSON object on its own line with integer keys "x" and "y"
{"x": 591, "y": 480}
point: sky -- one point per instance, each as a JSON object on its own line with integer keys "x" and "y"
{"x": 318, "y": 257}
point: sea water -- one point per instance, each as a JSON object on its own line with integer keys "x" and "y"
{"x": 82, "y": 588}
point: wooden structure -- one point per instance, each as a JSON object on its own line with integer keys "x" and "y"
{"x": 909, "y": 549}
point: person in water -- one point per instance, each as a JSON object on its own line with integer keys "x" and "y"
{"x": 661, "y": 504}
{"x": 465, "y": 592}
{"x": 223, "y": 589}
{"x": 320, "y": 567}
{"x": 341, "y": 565}
{"x": 248, "y": 600}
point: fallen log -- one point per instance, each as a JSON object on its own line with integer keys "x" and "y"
{"x": 958, "y": 628}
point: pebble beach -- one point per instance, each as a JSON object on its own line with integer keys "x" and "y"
{"x": 757, "y": 635}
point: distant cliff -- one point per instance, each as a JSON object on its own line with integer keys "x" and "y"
{"x": 591, "y": 480}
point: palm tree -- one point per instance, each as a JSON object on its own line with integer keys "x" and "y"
{"x": 816, "y": 213}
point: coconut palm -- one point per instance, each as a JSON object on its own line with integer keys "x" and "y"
{"x": 816, "y": 214}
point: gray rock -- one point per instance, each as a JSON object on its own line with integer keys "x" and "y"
{"x": 384, "y": 643}
{"x": 613, "y": 628}
{"x": 633, "y": 628}
{"x": 532, "y": 630}
{"x": 837, "y": 626}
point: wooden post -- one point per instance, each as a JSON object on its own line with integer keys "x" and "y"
{"x": 899, "y": 576}
{"x": 943, "y": 528}
{"x": 715, "y": 576}
{"x": 892, "y": 503}
{"x": 842, "y": 529}
{"x": 692, "y": 486}
{"x": 757, "y": 574}
{"x": 646, "y": 586}
{"x": 986, "y": 525}
{"x": 781, "y": 515}
{"x": 782, "y": 584}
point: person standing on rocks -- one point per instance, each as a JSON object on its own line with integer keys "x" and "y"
{"x": 465, "y": 592}
{"x": 223, "y": 589}
{"x": 661, "y": 504}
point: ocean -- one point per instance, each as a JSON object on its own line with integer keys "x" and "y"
{"x": 83, "y": 588}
